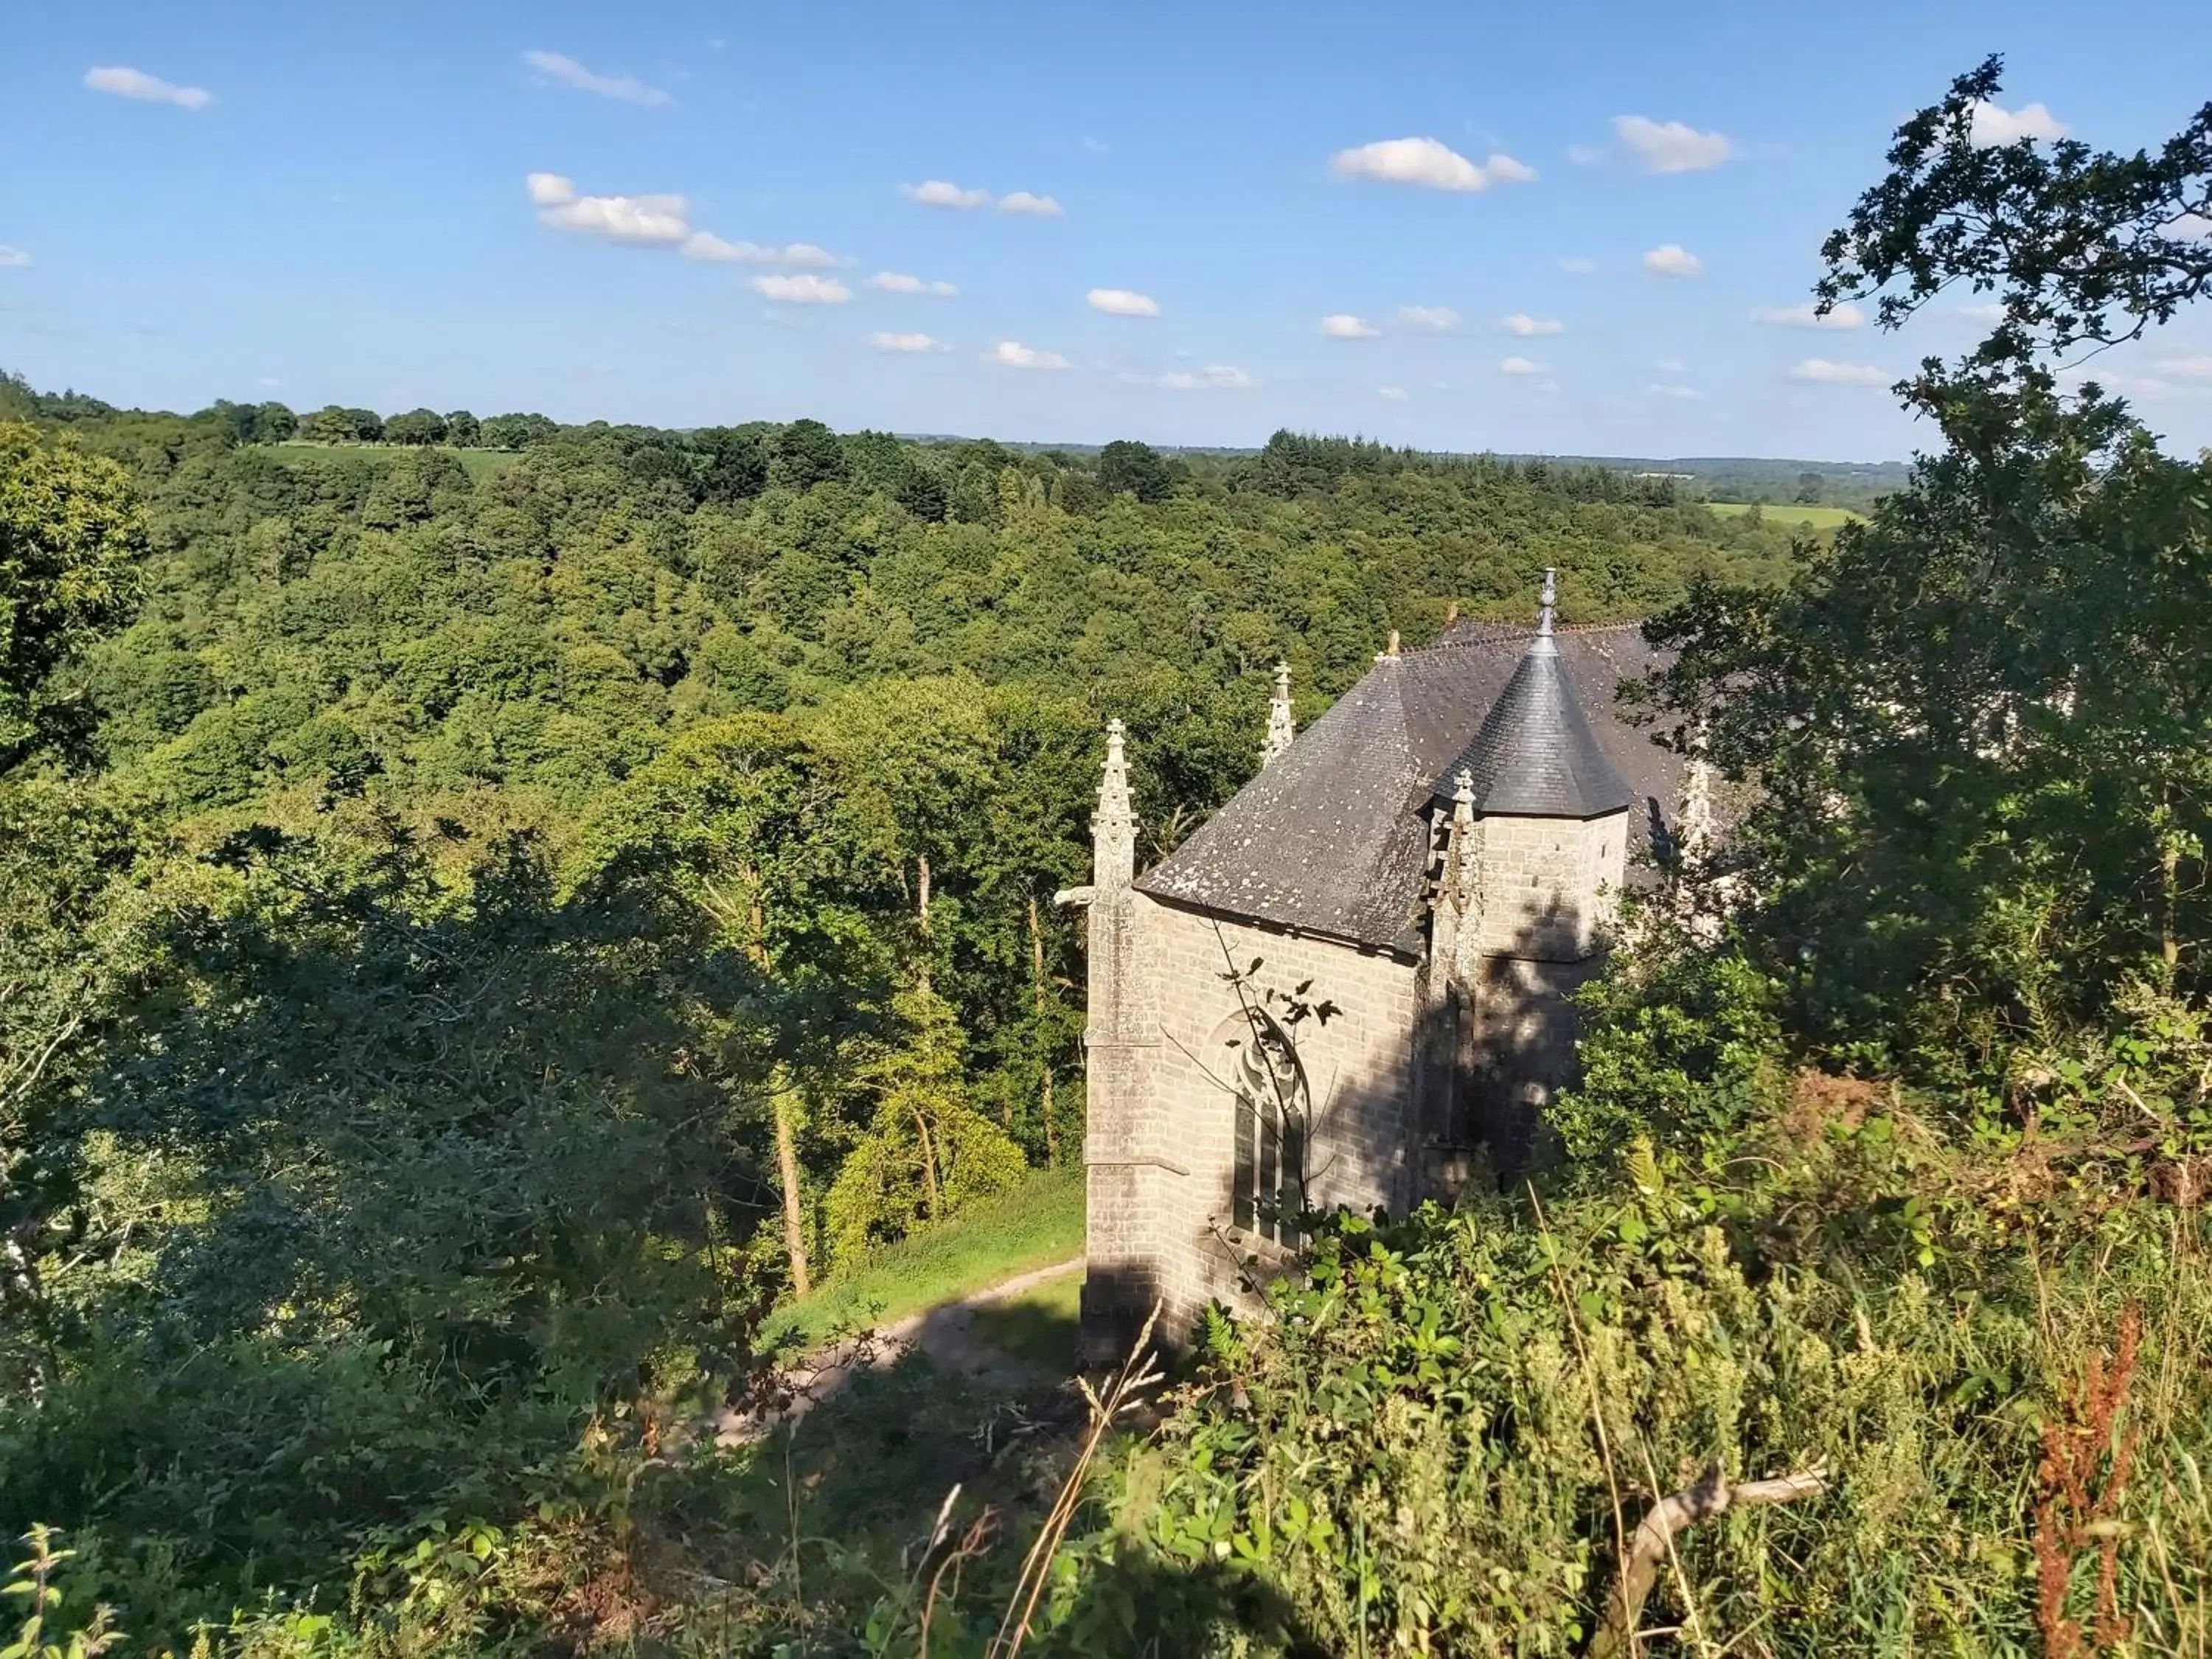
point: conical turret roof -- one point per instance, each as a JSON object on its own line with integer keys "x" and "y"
{"x": 1535, "y": 755}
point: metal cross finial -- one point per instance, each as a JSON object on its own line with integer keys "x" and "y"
{"x": 1551, "y": 600}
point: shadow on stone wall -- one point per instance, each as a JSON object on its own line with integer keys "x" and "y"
{"x": 1117, "y": 1302}
{"x": 1483, "y": 1077}
{"x": 1523, "y": 1049}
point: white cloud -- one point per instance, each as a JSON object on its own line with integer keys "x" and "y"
{"x": 1344, "y": 326}
{"x": 2198, "y": 368}
{"x": 1990, "y": 312}
{"x": 705, "y": 245}
{"x": 1428, "y": 162}
{"x": 570, "y": 73}
{"x": 1994, "y": 126}
{"x": 804, "y": 290}
{"x": 1396, "y": 394}
{"x": 2189, "y": 227}
{"x": 1673, "y": 260}
{"x": 1670, "y": 146}
{"x": 1671, "y": 366}
{"x": 147, "y": 88}
{"x": 1123, "y": 303}
{"x": 2140, "y": 386}
{"x": 1819, "y": 371}
{"x": 657, "y": 220}
{"x": 1807, "y": 316}
{"x": 1215, "y": 377}
{"x": 1528, "y": 328}
{"x": 1576, "y": 265}
{"x": 936, "y": 192}
{"x": 1435, "y": 319}
{"x": 13, "y": 258}
{"x": 802, "y": 254}
{"x": 271, "y": 382}
{"x": 1585, "y": 155}
{"x": 1520, "y": 366}
{"x": 898, "y": 281}
{"x": 1687, "y": 393}
{"x": 904, "y": 342}
{"x": 664, "y": 221}
{"x": 1013, "y": 354}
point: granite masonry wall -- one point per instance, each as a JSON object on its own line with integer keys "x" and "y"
{"x": 1541, "y": 883}
{"x": 1162, "y": 1158}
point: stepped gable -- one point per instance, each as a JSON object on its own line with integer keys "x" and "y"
{"x": 1332, "y": 837}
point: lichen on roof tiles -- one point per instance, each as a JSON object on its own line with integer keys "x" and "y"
{"x": 1332, "y": 837}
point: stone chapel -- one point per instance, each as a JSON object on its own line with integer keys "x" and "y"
{"x": 1437, "y": 857}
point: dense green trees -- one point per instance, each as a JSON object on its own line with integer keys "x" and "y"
{"x": 71, "y": 535}
{"x": 1135, "y": 467}
{"x": 416, "y": 426}
{"x": 1981, "y": 722}
{"x": 515, "y": 431}
{"x": 332, "y": 424}
{"x": 476, "y": 932}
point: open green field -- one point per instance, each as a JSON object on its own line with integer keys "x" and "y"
{"x": 1039, "y": 1223}
{"x": 1812, "y": 518}
{"x": 478, "y": 464}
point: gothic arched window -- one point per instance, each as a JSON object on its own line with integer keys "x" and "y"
{"x": 1272, "y": 1105}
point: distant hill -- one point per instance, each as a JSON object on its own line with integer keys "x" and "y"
{"x": 1751, "y": 479}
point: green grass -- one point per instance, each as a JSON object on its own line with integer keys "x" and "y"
{"x": 1812, "y": 518}
{"x": 481, "y": 463}
{"x": 1038, "y": 1326}
{"x": 478, "y": 464}
{"x": 1039, "y": 1223}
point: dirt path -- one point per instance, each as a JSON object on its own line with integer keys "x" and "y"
{"x": 944, "y": 1336}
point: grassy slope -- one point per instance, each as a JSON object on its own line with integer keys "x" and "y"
{"x": 1812, "y": 518}
{"x": 1037, "y": 1224}
{"x": 479, "y": 464}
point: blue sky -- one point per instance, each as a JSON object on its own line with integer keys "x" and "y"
{"x": 336, "y": 204}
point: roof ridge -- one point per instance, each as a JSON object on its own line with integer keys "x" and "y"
{"x": 1507, "y": 632}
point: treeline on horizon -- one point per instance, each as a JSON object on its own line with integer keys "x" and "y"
{"x": 1751, "y": 479}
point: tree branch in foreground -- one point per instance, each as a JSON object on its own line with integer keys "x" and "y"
{"x": 1675, "y": 1513}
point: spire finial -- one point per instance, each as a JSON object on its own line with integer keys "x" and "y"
{"x": 1545, "y": 644}
{"x": 1113, "y": 829}
{"x": 1388, "y": 652}
{"x": 1280, "y": 729}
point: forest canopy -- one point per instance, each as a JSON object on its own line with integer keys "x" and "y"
{"x": 487, "y": 908}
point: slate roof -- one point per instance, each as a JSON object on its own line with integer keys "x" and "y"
{"x": 1332, "y": 837}
{"x": 1535, "y": 755}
